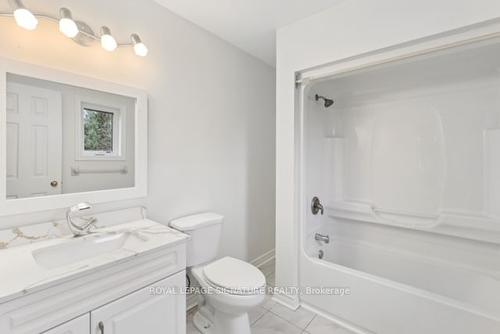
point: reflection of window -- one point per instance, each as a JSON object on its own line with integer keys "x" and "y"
{"x": 97, "y": 130}
{"x": 101, "y": 131}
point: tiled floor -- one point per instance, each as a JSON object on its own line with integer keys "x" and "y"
{"x": 274, "y": 318}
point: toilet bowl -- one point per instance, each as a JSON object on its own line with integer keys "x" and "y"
{"x": 229, "y": 287}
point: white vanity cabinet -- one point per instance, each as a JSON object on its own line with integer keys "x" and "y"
{"x": 142, "y": 293}
{"x": 80, "y": 325}
{"x": 157, "y": 309}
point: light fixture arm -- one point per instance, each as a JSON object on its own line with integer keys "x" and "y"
{"x": 56, "y": 19}
{"x": 15, "y": 4}
{"x": 64, "y": 12}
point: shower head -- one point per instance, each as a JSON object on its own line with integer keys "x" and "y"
{"x": 328, "y": 102}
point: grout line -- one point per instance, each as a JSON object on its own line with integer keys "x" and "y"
{"x": 294, "y": 325}
{"x": 263, "y": 314}
{"x": 315, "y": 315}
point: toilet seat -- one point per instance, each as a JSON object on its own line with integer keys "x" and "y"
{"x": 234, "y": 276}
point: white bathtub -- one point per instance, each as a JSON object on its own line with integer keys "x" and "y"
{"x": 397, "y": 292}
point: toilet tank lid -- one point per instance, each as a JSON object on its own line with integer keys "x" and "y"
{"x": 193, "y": 222}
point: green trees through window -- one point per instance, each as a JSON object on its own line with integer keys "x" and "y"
{"x": 98, "y": 130}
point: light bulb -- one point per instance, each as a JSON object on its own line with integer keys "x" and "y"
{"x": 108, "y": 42}
{"x": 140, "y": 48}
{"x": 66, "y": 24}
{"x": 25, "y": 19}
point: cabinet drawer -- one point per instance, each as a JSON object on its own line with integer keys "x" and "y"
{"x": 156, "y": 309}
{"x": 80, "y": 325}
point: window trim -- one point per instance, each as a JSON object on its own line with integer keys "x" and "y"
{"x": 119, "y": 131}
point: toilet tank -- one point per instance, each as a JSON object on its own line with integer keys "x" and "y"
{"x": 205, "y": 232}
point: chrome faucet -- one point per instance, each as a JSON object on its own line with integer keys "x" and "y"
{"x": 86, "y": 226}
{"x": 322, "y": 237}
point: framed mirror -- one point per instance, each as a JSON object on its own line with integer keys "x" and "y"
{"x": 67, "y": 138}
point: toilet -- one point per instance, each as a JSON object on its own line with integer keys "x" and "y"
{"x": 230, "y": 287}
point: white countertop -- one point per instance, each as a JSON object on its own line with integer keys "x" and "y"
{"x": 21, "y": 274}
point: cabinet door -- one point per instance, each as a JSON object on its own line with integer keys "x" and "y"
{"x": 153, "y": 310}
{"x": 80, "y": 325}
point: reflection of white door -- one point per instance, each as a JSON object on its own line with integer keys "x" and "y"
{"x": 34, "y": 141}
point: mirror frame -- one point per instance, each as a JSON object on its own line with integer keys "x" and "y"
{"x": 52, "y": 202}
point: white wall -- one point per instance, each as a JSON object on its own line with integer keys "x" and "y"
{"x": 211, "y": 120}
{"x": 349, "y": 29}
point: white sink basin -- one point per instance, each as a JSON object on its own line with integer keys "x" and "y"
{"x": 78, "y": 249}
{"x": 31, "y": 267}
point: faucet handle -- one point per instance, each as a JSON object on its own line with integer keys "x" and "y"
{"x": 80, "y": 207}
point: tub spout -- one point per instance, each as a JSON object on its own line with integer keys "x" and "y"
{"x": 322, "y": 237}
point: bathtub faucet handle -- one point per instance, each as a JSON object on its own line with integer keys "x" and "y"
{"x": 316, "y": 206}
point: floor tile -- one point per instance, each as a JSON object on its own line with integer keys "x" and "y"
{"x": 253, "y": 315}
{"x": 268, "y": 303}
{"x": 256, "y": 313}
{"x": 320, "y": 325}
{"x": 190, "y": 329}
{"x": 272, "y": 324}
{"x": 299, "y": 317}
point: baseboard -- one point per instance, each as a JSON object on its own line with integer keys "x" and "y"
{"x": 292, "y": 302}
{"x": 263, "y": 259}
{"x": 191, "y": 302}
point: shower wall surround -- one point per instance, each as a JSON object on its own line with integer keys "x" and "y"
{"x": 416, "y": 144}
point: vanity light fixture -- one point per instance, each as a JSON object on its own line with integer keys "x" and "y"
{"x": 79, "y": 31}
{"x": 108, "y": 42}
{"x": 139, "y": 48}
{"x": 24, "y": 18}
{"x": 66, "y": 24}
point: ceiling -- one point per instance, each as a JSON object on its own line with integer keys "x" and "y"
{"x": 247, "y": 24}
